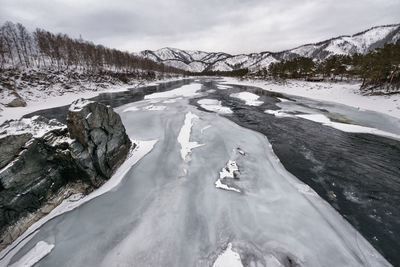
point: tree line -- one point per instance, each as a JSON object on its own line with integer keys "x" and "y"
{"x": 377, "y": 69}
{"x": 20, "y": 49}
{"x": 232, "y": 73}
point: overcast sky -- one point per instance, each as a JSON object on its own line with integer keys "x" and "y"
{"x": 233, "y": 26}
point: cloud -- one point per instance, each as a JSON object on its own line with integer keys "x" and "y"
{"x": 233, "y": 26}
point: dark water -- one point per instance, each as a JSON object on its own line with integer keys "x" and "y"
{"x": 113, "y": 99}
{"x": 358, "y": 174}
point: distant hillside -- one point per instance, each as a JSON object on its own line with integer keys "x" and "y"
{"x": 198, "y": 61}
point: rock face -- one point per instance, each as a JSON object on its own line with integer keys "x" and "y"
{"x": 41, "y": 159}
{"x": 101, "y": 142}
{"x": 18, "y": 101}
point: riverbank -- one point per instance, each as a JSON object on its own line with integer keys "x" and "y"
{"x": 40, "y": 100}
{"x": 340, "y": 92}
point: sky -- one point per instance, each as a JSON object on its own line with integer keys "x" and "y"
{"x": 231, "y": 26}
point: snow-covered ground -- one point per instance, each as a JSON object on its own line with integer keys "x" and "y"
{"x": 38, "y": 100}
{"x": 343, "y": 93}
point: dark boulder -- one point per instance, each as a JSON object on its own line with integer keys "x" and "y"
{"x": 17, "y": 100}
{"x": 41, "y": 159}
{"x": 101, "y": 141}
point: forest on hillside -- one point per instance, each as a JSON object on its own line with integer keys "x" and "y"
{"x": 41, "y": 49}
{"x": 378, "y": 70}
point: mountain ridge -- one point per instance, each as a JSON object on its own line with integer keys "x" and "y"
{"x": 198, "y": 61}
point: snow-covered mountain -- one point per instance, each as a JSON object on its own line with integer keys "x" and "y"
{"x": 197, "y": 61}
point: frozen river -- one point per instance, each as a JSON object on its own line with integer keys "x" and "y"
{"x": 213, "y": 191}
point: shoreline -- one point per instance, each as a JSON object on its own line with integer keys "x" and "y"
{"x": 10, "y": 113}
{"x": 341, "y": 92}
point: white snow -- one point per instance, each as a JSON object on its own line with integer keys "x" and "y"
{"x": 155, "y": 108}
{"x": 184, "y": 91}
{"x": 33, "y": 125}
{"x": 249, "y": 98}
{"x": 204, "y": 128}
{"x": 279, "y": 113}
{"x": 34, "y": 255}
{"x": 350, "y": 128}
{"x": 142, "y": 148}
{"x": 223, "y": 87}
{"x": 343, "y": 93}
{"x": 228, "y": 258}
{"x": 38, "y": 100}
{"x": 227, "y": 172}
{"x": 214, "y": 105}
{"x": 219, "y": 184}
{"x": 79, "y": 104}
{"x": 283, "y": 99}
{"x": 184, "y": 136}
{"x": 173, "y": 100}
{"x": 130, "y": 109}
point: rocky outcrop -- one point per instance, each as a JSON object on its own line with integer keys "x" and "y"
{"x": 16, "y": 101}
{"x": 43, "y": 161}
{"x": 102, "y": 143}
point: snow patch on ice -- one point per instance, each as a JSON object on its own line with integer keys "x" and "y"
{"x": 34, "y": 255}
{"x": 228, "y": 258}
{"x": 343, "y": 93}
{"x": 279, "y": 113}
{"x": 219, "y": 184}
{"x": 305, "y": 189}
{"x": 155, "y": 108}
{"x": 205, "y": 128}
{"x": 185, "y": 91}
{"x": 249, "y": 98}
{"x": 223, "y": 87}
{"x": 229, "y": 171}
{"x": 184, "y": 136}
{"x": 214, "y": 105}
{"x": 173, "y": 100}
{"x": 349, "y": 128}
{"x": 283, "y": 99}
{"x": 130, "y": 109}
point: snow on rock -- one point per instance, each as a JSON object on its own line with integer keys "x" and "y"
{"x": 79, "y": 104}
{"x": 185, "y": 91}
{"x": 214, "y": 105}
{"x": 228, "y": 258}
{"x": 37, "y": 126}
{"x": 184, "y": 136}
{"x": 249, "y": 98}
{"x": 34, "y": 255}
